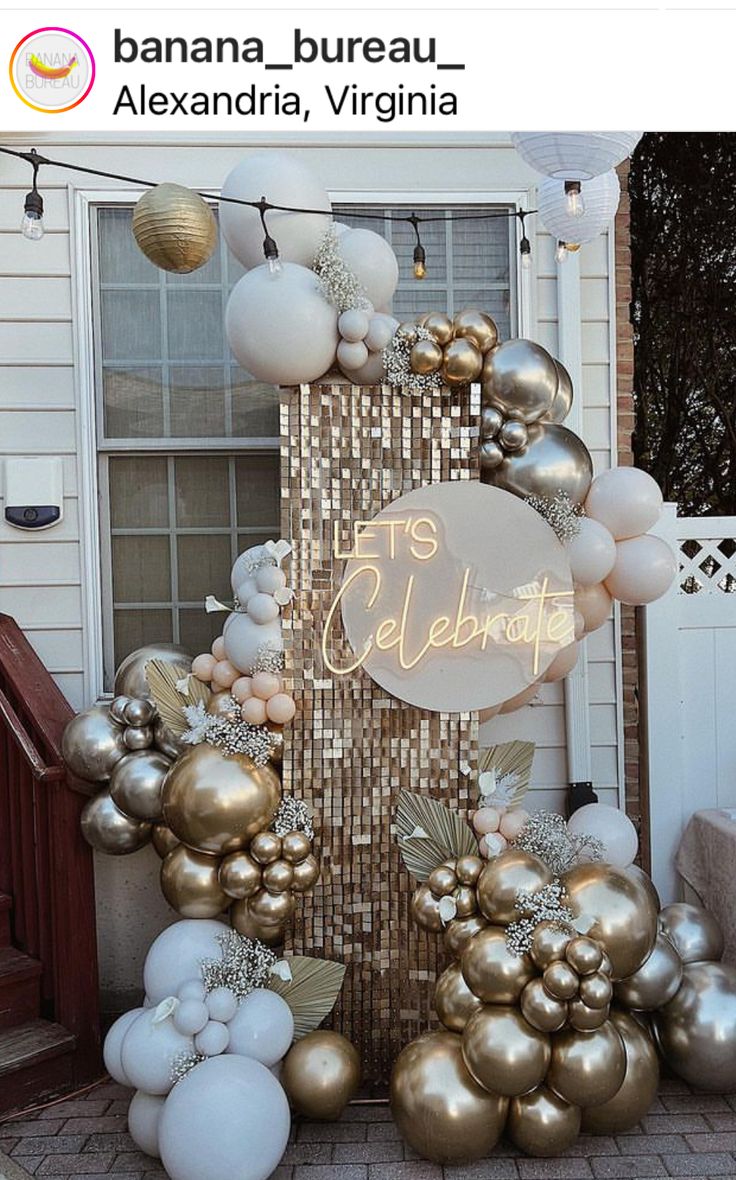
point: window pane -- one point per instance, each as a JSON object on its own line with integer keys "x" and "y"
{"x": 141, "y": 569}
{"x": 205, "y": 562}
{"x": 131, "y": 325}
{"x": 134, "y": 403}
{"x": 197, "y": 401}
{"x": 118, "y": 263}
{"x": 195, "y": 325}
{"x": 258, "y": 486}
{"x": 134, "y": 628}
{"x": 197, "y": 629}
{"x": 139, "y": 495}
{"x": 202, "y": 492}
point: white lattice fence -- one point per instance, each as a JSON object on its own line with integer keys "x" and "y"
{"x": 689, "y": 686}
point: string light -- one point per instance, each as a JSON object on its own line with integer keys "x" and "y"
{"x": 561, "y": 252}
{"x": 32, "y": 224}
{"x": 574, "y": 196}
{"x": 270, "y": 249}
{"x": 420, "y": 255}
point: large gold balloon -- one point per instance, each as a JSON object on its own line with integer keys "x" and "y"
{"x": 453, "y": 1000}
{"x": 639, "y": 1088}
{"x": 164, "y": 840}
{"x": 696, "y": 1031}
{"x": 693, "y": 931}
{"x": 217, "y": 802}
{"x": 425, "y": 357}
{"x": 107, "y": 829}
{"x": 656, "y": 981}
{"x": 425, "y": 909}
{"x": 440, "y": 325}
{"x": 521, "y": 376}
{"x": 460, "y": 931}
{"x": 190, "y": 885}
{"x": 554, "y": 460}
{"x": 587, "y": 1068}
{"x": 93, "y": 744}
{"x": 461, "y": 363}
{"x": 503, "y": 877}
{"x": 175, "y": 228}
{"x": 503, "y": 1052}
{"x": 239, "y": 875}
{"x": 136, "y": 784}
{"x": 644, "y": 879}
{"x": 541, "y": 1009}
{"x": 243, "y": 921}
{"x": 563, "y": 399}
{"x": 624, "y": 917}
{"x": 130, "y": 678}
{"x": 320, "y": 1074}
{"x": 441, "y": 1112}
{"x": 477, "y": 327}
{"x": 542, "y": 1124}
{"x": 493, "y": 972}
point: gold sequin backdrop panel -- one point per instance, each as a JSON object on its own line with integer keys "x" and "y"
{"x": 346, "y": 452}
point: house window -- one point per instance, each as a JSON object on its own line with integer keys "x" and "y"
{"x": 188, "y": 442}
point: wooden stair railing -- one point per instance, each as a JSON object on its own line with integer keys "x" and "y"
{"x": 46, "y": 867}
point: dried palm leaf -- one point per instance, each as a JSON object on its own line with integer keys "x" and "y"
{"x": 508, "y": 767}
{"x": 429, "y": 832}
{"x": 311, "y": 992}
{"x": 162, "y": 680}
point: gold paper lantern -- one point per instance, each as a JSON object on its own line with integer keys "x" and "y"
{"x": 175, "y": 228}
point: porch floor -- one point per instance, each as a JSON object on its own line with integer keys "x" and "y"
{"x": 686, "y": 1133}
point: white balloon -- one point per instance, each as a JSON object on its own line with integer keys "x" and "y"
{"x": 381, "y": 331}
{"x": 243, "y": 639}
{"x": 340, "y": 228}
{"x": 144, "y": 1115}
{"x": 175, "y": 957}
{"x": 262, "y": 1027}
{"x": 563, "y": 663}
{"x": 192, "y": 989}
{"x": 352, "y": 355}
{"x": 626, "y": 500}
{"x": 283, "y": 180}
{"x": 149, "y": 1048}
{"x": 114, "y": 1043}
{"x": 373, "y": 372}
{"x": 609, "y": 825}
{"x": 228, "y": 1117}
{"x": 263, "y": 608}
{"x": 190, "y": 1017}
{"x": 372, "y": 261}
{"x": 242, "y": 577}
{"x": 594, "y": 604}
{"x": 353, "y": 324}
{"x": 214, "y": 1038}
{"x": 644, "y": 570}
{"x": 222, "y": 1004}
{"x": 280, "y": 327}
{"x": 591, "y": 553}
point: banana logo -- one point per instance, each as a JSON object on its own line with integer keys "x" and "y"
{"x": 53, "y": 73}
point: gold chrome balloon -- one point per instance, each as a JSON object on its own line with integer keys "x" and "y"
{"x": 217, "y": 802}
{"x": 175, "y": 228}
{"x": 278, "y": 876}
{"x": 240, "y": 875}
{"x": 453, "y": 1000}
{"x": 513, "y": 436}
{"x": 549, "y": 942}
{"x": 561, "y": 981}
{"x": 306, "y": 874}
{"x": 190, "y": 885}
{"x": 503, "y": 1052}
{"x": 461, "y": 363}
{"x": 130, "y": 677}
{"x": 295, "y": 846}
{"x": 638, "y": 1090}
{"x": 583, "y": 1017}
{"x": 468, "y": 869}
{"x": 425, "y": 909}
{"x": 244, "y": 922}
{"x": 460, "y": 931}
{"x": 440, "y": 1111}
{"x": 440, "y": 325}
{"x": 624, "y": 917}
{"x": 138, "y": 737}
{"x": 221, "y": 704}
{"x": 320, "y": 1074}
{"x": 693, "y": 931}
{"x": 425, "y": 357}
{"x": 465, "y": 901}
{"x": 107, "y": 829}
{"x": 491, "y": 456}
{"x": 587, "y": 1068}
{"x": 554, "y": 460}
{"x": 521, "y": 375}
{"x": 477, "y": 327}
{"x": 93, "y": 744}
{"x": 540, "y": 1009}
{"x": 265, "y": 847}
{"x": 493, "y": 972}
{"x": 164, "y": 840}
{"x": 542, "y": 1124}
{"x": 596, "y": 990}
{"x": 442, "y": 881}
{"x": 656, "y": 981}
{"x": 644, "y": 879}
{"x": 696, "y": 1031}
{"x": 491, "y": 421}
{"x": 271, "y": 909}
{"x": 503, "y": 877}
{"x": 584, "y": 955}
{"x": 136, "y": 784}
{"x": 563, "y": 399}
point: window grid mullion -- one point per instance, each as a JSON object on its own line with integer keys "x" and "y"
{"x": 173, "y": 546}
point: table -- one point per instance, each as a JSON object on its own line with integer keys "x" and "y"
{"x": 706, "y": 860}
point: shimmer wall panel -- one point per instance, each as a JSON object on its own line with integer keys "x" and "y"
{"x": 346, "y": 452}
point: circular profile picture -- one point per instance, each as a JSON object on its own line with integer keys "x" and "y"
{"x": 52, "y": 70}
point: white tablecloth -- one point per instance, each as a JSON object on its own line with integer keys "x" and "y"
{"x": 706, "y": 859}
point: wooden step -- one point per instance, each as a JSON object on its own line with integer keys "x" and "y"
{"x": 20, "y": 988}
{"x": 6, "y": 905}
{"x": 35, "y": 1061}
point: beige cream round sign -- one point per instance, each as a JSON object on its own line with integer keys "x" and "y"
{"x": 457, "y": 596}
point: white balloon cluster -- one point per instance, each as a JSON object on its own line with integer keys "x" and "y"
{"x": 202, "y": 1062}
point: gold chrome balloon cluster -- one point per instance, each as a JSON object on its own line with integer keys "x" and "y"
{"x": 538, "y": 1038}
{"x": 264, "y": 881}
{"x": 441, "y": 349}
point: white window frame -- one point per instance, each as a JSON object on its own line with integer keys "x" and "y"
{"x": 94, "y": 540}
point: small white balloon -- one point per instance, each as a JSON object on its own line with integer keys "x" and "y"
{"x": 175, "y": 957}
{"x": 114, "y": 1043}
{"x": 373, "y": 372}
{"x": 645, "y": 569}
{"x": 591, "y": 553}
{"x": 353, "y": 324}
{"x": 263, "y": 608}
{"x": 222, "y": 1004}
{"x": 372, "y": 261}
{"x": 190, "y": 1017}
{"x": 228, "y": 1117}
{"x": 351, "y": 356}
{"x": 144, "y": 1116}
{"x": 609, "y": 825}
{"x": 263, "y": 1027}
{"x": 191, "y": 989}
{"x": 280, "y": 327}
{"x": 381, "y": 331}
{"x": 149, "y": 1048}
{"x": 626, "y": 500}
{"x": 244, "y": 638}
{"x": 214, "y": 1038}
{"x": 242, "y": 576}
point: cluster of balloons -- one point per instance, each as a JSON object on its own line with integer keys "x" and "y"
{"x": 213, "y": 1067}
{"x": 543, "y": 1042}
{"x": 457, "y": 347}
{"x": 363, "y": 337}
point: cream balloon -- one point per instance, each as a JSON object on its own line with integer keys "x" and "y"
{"x": 626, "y": 500}
{"x": 591, "y": 553}
{"x": 280, "y": 327}
{"x": 380, "y": 331}
{"x": 373, "y": 372}
{"x": 283, "y": 180}
{"x": 594, "y": 604}
{"x": 612, "y": 827}
{"x": 244, "y": 639}
{"x": 563, "y": 663}
{"x": 644, "y": 570}
{"x": 371, "y": 259}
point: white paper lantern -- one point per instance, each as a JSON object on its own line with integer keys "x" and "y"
{"x": 282, "y": 180}
{"x": 600, "y": 202}
{"x": 144, "y": 1114}
{"x": 574, "y": 155}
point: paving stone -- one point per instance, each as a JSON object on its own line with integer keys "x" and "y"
{"x": 679, "y": 1124}
{"x": 382, "y": 1131}
{"x": 110, "y": 1091}
{"x": 714, "y": 1141}
{"x": 674, "y": 1086}
{"x": 702, "y": 1164}
{"x": 119, "y": 1106}
{"x": 310, "y": 1153}
{"x": 651, "y": 1144}
{"x": 613, "y": 1167}
{"x": 49, "y": 1145}
{"x": 491, "y": 1169}
{"x": 31, "y": 1127}
{"x": 375, "y": 1152}
{"x": 371, "y": 1113}
{"x": 281, "y": 1173}
{"x": 331, "y": 1172}
{"x": 693, "y": 1103}
{"x": 588, "y": 1145}
{"x": 337, "y": 1132}
{"x": 75, "y": 1165}
{"x": 89, "y": 1125}
{"x": 8, "y": 1144}
{"x": 721, "y": 1121}
{"x": 110, "y": 1141}
{"x": 135, "y": 1161}
{"x": 31, "y": 1163}
{"x": 79, "y": 1106}
{"x": 408, "y": 1170}
{"x": 554, "y": 1169}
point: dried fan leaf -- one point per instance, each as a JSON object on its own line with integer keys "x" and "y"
{"x": 311, "y": 992}
{"x": 511, "y": 761}
{"x": 162, "y": 680}
{"x": 445, "y": 834}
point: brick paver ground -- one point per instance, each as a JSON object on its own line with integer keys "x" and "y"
{"x": 685, "y": 1134}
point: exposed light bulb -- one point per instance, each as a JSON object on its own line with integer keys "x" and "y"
{"x": 574, "y": 198}
{"x": 420, "y": 270}
{"x": 525, "y": 249}
{"x": 420, "y": 262}
{"x": 274, "y": 267}
{"x": 561, "y": 252}
{"x": 32, "y": 224}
